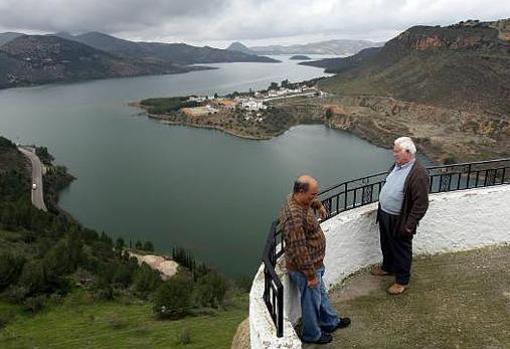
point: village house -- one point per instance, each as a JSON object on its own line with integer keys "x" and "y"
{"x": 253, "y": 105}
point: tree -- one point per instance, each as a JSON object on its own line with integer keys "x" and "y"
{"x": 273, "y": 86}
{"x": 138, "y": 245}
{"x": 119, "y": 244}
{"x": 148, "y": 246}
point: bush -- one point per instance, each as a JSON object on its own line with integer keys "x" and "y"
{"x": 173, "y": 298}
{"x": 33, "y": 277}
{"x": 210, "y": 290}
{"x": 146, "y": 280}
{"x": 103, "y": 290}
{"x": 10, "y": 269}
{"x": 124, "y": 274}
{"x": 15, "y": 294}
{"x": 3, "y": 321}
{"x": 35, "y": 304}
{"x": 116, "y": 322}
{"x": 184, "y": 337}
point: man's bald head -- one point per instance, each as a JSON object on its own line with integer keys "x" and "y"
{"x": 305, "y": 189}
{"x": 304, "y": 183}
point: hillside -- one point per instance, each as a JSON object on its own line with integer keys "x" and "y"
{"x": 55, "y": 273}
{"x": 38, "y": 59}
{"x": 332, "y": 47}
{"x": 464, "y": 66}
{"x": 178, "y": 53}
{"x": 340, "y": 64}
{"x": 8, "y": 36}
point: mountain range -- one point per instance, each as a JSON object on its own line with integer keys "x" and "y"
{"x": 38, "y": 59}
{"x": 332, "y": 47}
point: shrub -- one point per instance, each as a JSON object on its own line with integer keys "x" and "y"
{"x": 123, "y": 275}
{"x": 210, "y": 290}
{"x": 15, "y": 294}
{"x": 33, "y": 277}
{"x": 10, "y": 269}
{"x": 3, "y": 320}
{"x": 103, "y": 290}
{"x": 116, "y": 322}
{"x": 184, "y": 337}
{"x": 173, "y": 298}
{"x": 146, "y": 280}
{"x": 34, "y": 304}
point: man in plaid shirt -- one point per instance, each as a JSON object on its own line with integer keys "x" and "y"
{"x": 305, "y": 246}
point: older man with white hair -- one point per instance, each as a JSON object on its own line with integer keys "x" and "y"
{"x": 403, "y": 201}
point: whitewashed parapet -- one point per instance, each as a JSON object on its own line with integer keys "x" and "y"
{"x": 455, "y": 221}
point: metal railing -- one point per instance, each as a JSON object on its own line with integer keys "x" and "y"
{"x": 362, "y": 191}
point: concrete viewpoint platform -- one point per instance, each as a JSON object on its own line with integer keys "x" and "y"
{"x": 456, "y": 222}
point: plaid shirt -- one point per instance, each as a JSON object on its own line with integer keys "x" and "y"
{"x": 305, "y": 244}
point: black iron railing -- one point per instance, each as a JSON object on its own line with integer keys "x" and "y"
{"x": 362, "y": 191}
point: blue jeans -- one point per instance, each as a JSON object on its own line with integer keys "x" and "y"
{"x": 317, "y": 313}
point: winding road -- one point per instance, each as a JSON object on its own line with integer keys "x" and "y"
{"x": 37, "y": 171}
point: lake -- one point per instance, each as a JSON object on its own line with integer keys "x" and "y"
{"x": 200, "y": 189}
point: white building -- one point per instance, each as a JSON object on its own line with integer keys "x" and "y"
{"x": 253, "y": 105}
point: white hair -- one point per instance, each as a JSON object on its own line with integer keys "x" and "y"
{"x": 406, "y": 143}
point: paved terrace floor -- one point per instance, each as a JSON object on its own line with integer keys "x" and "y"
{"x": 458, "y": 300}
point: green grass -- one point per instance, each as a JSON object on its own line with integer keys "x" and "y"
{"x": 82, "y": 323}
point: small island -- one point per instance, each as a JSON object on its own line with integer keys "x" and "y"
{"x": 300, "y": 58}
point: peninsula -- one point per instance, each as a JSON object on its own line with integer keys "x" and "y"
{"x": 253, "y": 115}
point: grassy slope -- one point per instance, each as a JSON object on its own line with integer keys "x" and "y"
{"x": 81, "y": 323}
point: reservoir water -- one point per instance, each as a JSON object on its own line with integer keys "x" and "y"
{"x": 200, "y": 189}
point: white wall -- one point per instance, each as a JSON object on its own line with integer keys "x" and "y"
{"x": 455, "y": 221}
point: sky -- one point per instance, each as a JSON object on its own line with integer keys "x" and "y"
{"x": 253, "y": 22}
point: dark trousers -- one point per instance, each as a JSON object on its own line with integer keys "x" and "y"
{"x": 397, "y": 251}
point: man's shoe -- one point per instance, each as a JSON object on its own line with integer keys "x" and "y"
{"x": 343, "y": 323}
{"x": 396, "y": 289}
{"x": 379, "y": 271}
{"x": 324, "y": 339}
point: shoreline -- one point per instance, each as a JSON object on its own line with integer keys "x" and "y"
{"x": 443, "y": 136}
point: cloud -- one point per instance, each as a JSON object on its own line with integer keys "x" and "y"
{"x": 248, "y": 20}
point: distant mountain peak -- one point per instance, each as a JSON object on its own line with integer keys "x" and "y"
{"x": 238, "y": 46}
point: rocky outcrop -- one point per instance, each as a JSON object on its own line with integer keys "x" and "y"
{"x": 166, "y": 267}
{"x": 444, "y": 135}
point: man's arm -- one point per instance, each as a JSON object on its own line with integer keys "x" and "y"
{"x": 420, "y": 201}
{"x": 318, "y": 206}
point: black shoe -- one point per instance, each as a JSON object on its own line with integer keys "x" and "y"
{"x": 325, "y": 338}
{"x": 343, "y": 323}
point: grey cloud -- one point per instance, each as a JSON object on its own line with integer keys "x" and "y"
{"x": 221, "y": 20}
{"x": 99, "y": 15}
